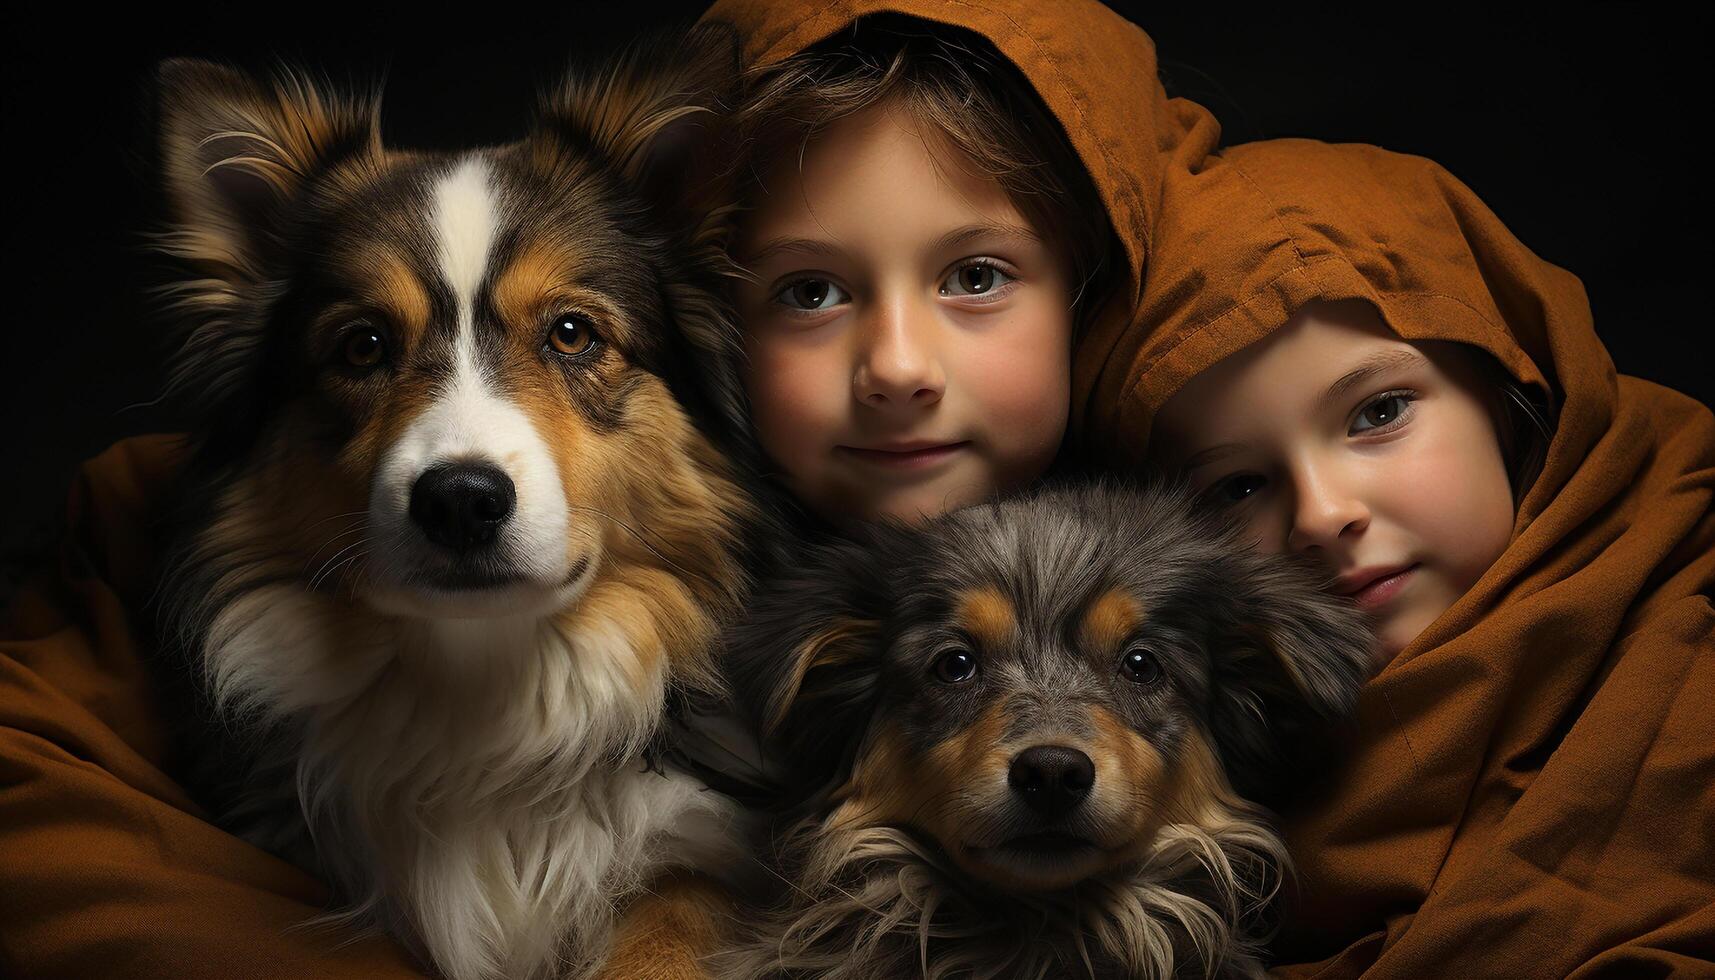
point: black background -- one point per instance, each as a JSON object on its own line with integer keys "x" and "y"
{"x": 1574, "y": 126}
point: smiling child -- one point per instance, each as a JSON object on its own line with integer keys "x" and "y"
{"x": 1335, "y": 438}
{"x": 920, "y": 242}
{"x": 1352, "y": 354}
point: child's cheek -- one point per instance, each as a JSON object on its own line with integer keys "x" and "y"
{"x": 791, "y": 395}
{"x": 1020, "y": 381}
{"x": 1453, "y": 500}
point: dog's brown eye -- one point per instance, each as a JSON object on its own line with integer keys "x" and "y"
{"x": 1140, "y": 666}
{"x": 956, "y": 665}
{"x": 572, "y": 334}
{"x": 363, "y": 347}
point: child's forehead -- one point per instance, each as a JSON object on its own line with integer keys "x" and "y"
{"x": 873, "y": 166}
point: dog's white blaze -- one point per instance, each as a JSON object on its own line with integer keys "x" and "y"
{"x": 470, "y": 422}
{"x": 465, "y": 218}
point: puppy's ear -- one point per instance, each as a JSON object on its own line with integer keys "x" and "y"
{"x": 1288, "y": 665}
{"x": 238, "y": 154}
{"x": 807, "y": 662}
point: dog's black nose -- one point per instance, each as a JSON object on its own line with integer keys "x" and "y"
{"x": 1052, "y": 779}
{"x": 459, "y": 506}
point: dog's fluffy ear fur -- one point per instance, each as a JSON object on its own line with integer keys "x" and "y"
{"x": 655, "y": 116}
{"x": 1288, "y": 664}
{"x": 807, "y": 662}
{"x": 237, "y": 153}
{"x": 237, "y": 150}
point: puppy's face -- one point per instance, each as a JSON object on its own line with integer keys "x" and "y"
{"x": 1039, "y": 742}
{"x": 1040, "y": 686}
{"x": 451, "y": 380}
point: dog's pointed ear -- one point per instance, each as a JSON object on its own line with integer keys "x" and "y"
{"x": 237, "y": 156}
{"x": 656, "y": 116}
{"x": 1288, "y": 667}
{"x": 807, "y": 662}
{"x": 237, "y": 151}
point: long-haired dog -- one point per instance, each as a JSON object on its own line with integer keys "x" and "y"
{"x": 463, "y": 519}
{"x": 1023, "y": 735}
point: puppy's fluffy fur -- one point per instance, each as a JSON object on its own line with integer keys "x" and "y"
{"x": 461, "y": 519}
{"x": 1018, "y": 731}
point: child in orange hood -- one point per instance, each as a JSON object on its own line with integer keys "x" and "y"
{"x": 1344, "y": 345}
{"x": 920, "y": 243}
{"x": 1381, "y": 459}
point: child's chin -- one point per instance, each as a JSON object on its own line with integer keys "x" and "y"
{"x": 1395, "y": 634}
{"x": 917, "y": 507}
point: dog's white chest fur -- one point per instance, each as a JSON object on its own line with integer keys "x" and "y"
{"x": 479, "y": 784}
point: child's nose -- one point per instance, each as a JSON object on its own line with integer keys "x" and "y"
{"x": 897, "y": 363}
{"x": 1327, "y": 508}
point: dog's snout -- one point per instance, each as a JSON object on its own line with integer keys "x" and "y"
{"x": 460, "y": 506}
{"x": 1052, "y": 779}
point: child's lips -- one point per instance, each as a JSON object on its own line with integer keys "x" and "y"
{"x": 1372, "y": 591}
{"x": 903, "y": 456}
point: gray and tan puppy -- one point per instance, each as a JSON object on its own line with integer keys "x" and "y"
{"x": 1022, "y": 737}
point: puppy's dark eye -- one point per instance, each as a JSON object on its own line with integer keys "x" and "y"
{"x": 363, "y": 347}
{"x": 572, "y": 335}
{"x": 955, "y": 665}
{"x": 1140, "y": 666}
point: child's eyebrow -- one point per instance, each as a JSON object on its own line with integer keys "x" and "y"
{"x": 959, "y": 236}
{"x": 799, "y": 246}
{"x": 1214, "y": 454}
{"x": 1381, "y": 362}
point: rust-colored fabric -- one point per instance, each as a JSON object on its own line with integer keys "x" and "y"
{"x": 107, "y": 868}
{"x": 1532, "y": 785}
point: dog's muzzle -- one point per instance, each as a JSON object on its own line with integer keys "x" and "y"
{"x": 462, "y": 506}
{"x": 1052, "y": 780}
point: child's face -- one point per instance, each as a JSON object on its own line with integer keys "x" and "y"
{"x": 908, "y": 331}
{"x": 1335, "y": 438}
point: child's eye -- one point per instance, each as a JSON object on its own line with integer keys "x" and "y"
{"x": 811, "y": 295}
{"x": 1234, "y": 489}
{"x": 976, "y": 278}
{"x": 1382, "y": 413}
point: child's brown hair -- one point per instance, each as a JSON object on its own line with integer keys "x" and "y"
{"x": 955, "y": 85}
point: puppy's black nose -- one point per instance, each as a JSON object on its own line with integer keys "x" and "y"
{"x": 1052, "y": 779}
{"x": 460, "y": 506}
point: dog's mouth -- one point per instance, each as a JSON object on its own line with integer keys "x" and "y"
{"x": 1040, "y": 861}
{"x": 1048, "y": 850}
{"x": 1048, "y": 844}
{"x": 479, "y": 579}
{"x": 476, "y": 591}
{"x": 471, "y": 580}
